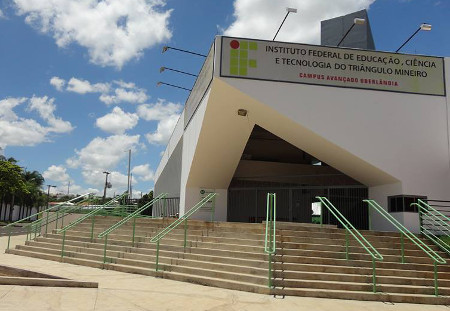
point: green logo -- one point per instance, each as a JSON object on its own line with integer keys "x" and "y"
{"x": 239, "y": 61}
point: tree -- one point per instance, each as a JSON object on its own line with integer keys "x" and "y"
{"x": 11, "y": 182}
{"x": 144, "y": 200}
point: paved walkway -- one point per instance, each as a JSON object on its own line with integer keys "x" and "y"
{"x": 129, "y": 292}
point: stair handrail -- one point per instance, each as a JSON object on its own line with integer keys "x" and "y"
{"x": 270, "y": 236}
{"x": 426, "y": 210}
{"x": 157, "y": 238}
{"x": 133, "y": 215}
{"x": 91, "y": 213}
{"x": 437, "y": 259}
{"x": 349, "y": 228}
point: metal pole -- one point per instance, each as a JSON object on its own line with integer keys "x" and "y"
{"x": 408, "y": 40}
{"x": 134, "y": 230}
{"x": 281, "y": 25}
{"x": 213, "y": 209}
{"x": 346, "y": 244}
{"x": 436, "y": 291}
{"x": 157, "y": 255}
{"x": 57, "y": 217}
{"x": 92, "y": 228}
{"x": 104, "y": 249}
{"x": 374, "y": 277}
{"x": 63, "y": 243}
{"x": 270, "y": 270}
{"x": 9, "y": 237}
{"x": 129, "y": 180}
{"x": 185, "y": 233}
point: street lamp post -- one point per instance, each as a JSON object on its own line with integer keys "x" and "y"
{"x": 424, "y": 27}
{"x": 48, "y": 193}
{"x": 106, "y": 185}
{"x": 288, "y": 10}
{"x": 356, "y": 21}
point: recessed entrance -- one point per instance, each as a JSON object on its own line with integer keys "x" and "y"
{"x": 270, "y": 164}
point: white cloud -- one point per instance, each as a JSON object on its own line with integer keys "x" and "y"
{"x": 143, "y": 172}
{"x": 261, "y": 18}
{"x": 159, "y": 111}
{"x": 58, "y": 83}
{"x": 96, "y": 178}
{"x": 114, "y": 31}
{"x": 104, "y": 153}
{"x": 56, "y": 173}
{"x": 163, "y": 130}
{"x": 2, "y": 15}
{"x": 19, "y": 131}
{"x": 84, "y": 86}
{"x": 118, "y": 121}
{"x": 126, "y": 92}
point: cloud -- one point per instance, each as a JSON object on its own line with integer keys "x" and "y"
{"x": 166, "y": 113}
{"x": 58, "y": 83}
{"x": 159, "y": 111}
{"x": 126, "y": 92}
{"x": 114, "y": 31}
{"x": 260, "y": 19}
{"x": 56, "y": 173}
{"x": 20, "y": 131}
{"x": 2, "y": 15}
{"x": 96, "y": 178}
{"x": 103, "y": 153}
{"x": 118, "y": 121}
{"x": 143, "y": 172}
{"x": 84, "y": 86}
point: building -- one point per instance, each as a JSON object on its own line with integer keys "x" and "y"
{"x": 307, "y": 120}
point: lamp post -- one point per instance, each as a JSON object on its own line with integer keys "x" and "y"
{"x": 288, "y": 10}
{"x": 162, "y": 69}
{"x": 424, "y": 27}
{"x": 356, "y": 21}
{"x": 48, "y": 193}
{"x": 172, "y": 85}
{"x": 165, "y": 48}
{"x": 106, "y": 185}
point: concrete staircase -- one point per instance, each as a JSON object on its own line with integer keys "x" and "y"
{"x": 310, "y": 260}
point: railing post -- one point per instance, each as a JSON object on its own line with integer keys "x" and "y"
{"x": 63, "y": 243}
{"x": 213, "y": 209}
{"x": 346, "y": 244}
{"x": 28, "y": 231}
{"x": 9, "y": 237}
{"x": 321, "y": 213}
{"x": 374, "y": 277}
{"x": 436, "y": 290}
{"x": 165, "y": 207}
{"x": 403, "y": 247}
{"x": 104, "y": 249}
{"x": 270, "y": 270}
{"x": 420, "y": 219}
{"x": 185, "y": 234}
{"x": 57, "y": 216}
{"x": 92, "y": 228}
{"x": 134, "y": 230}
{"x": 62, "y": 221}
{"x": 46, "y": 223}
{"x": 157, "y": 255}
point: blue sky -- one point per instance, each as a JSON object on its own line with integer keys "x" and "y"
{"x": 78, "y": 78}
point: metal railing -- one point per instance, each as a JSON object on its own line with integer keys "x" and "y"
{"x": 133, "y": 216}
{"x": 413, "y": 238}
{"x": 270, "y": 236}
{"x": 209, "y": 198}
{"x": 350, "y": 229}
{"x": 92, "y": 214}
{"x": 169, "y": 208}
{"x": 434, "y": 225}
{"x": 37, "y": 215}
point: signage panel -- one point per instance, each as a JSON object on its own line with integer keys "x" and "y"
{"x": 343, "y": 67}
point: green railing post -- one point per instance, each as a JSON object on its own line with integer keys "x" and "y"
{"x": 92, "y": 228}
{"x": 28, "y": 232}
{"x": 436, "y": 291}
{"x": 270, "y": 271}
{"x": 346, "y": 244}
{"x": 157, "y": 256}
{"x": 321, "y": 214}
{"x": 185, "y": 234}
{"x": 419, "y": 207}
{"x": 104, "y": 249}
{"x": 62, "y": 220}
{"x": 46, "y": 223}
{"x": 134, "y": 230}
{"x": 213, "y": 209}
{"x": 374, "y": 277}
{"x": 165, "y": 208}
{"x": 9, "y": 237}
{"x": 63, "y": 243}
{"x": 403, "y": 247}
{"x": 57, "y": 217}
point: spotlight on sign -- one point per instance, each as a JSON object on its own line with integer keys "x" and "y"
{"x": 242, "y": 112}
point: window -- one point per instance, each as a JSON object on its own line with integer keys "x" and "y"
{"x": 402, "y": 203}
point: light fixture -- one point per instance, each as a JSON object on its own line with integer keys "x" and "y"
{"x": 288, "y": 10}
{"x": 162, "y": 69}
{"x": 242, "y": 112}
{"x": 423, "y": 26}
{"x": 165, "y": 48}
{"x": 356, "y": 21}
{"x": 159, "y": 83}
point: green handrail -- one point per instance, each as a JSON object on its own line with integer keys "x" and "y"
{"x": 439, "y": 222}
{"x": 156, "y": 239}
{"x": 37, "y": 216}
{"x": 86, "y": 216}
{"x": 270, "y": 236}
{"x": 349, "y": 228}
{"x": 126, "y": 219}
{"x": 405, "y": 232}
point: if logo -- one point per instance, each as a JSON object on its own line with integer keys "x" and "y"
{"x": 239, "y": 61}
